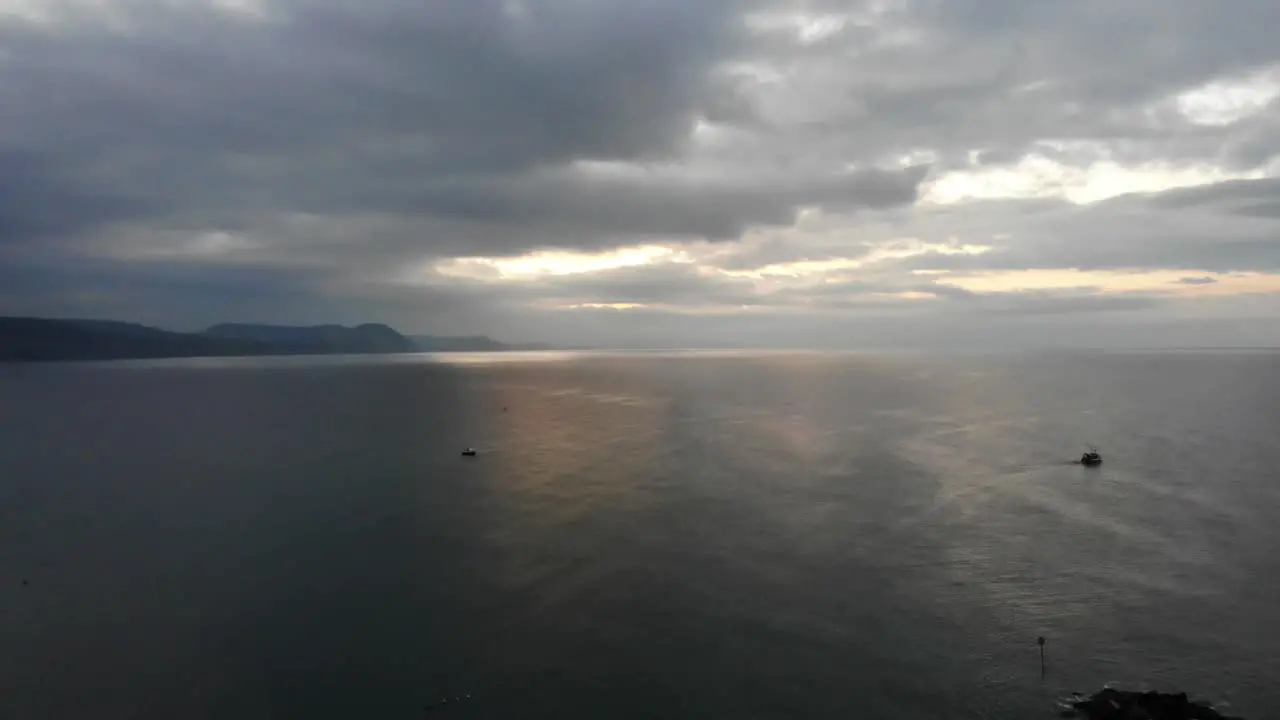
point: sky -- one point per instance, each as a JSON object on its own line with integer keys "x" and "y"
{"x": 665, "y": 173}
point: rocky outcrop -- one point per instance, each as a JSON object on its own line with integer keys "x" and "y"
{"x": 1110, "y": 704}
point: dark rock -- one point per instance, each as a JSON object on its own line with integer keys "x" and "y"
{"x": 1111, "y": 704}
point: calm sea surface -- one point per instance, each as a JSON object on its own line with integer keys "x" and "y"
{"x": 642, "y": 536}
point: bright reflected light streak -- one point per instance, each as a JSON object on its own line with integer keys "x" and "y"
{"x": 555, "y": 263}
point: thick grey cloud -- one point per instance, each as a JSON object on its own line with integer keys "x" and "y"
{"x": 465, "y": 115}
{"x": 1214, "y": 227}
{"x": 467, "y": 85}
{"x": 41, "y": 200}
{"x": 1227, "y": 195}
{"x": 1000, "y": 77}
{"x": 684, "y": 287}
{"x": 580, "y": 211}
{"x": 295, "y": 160}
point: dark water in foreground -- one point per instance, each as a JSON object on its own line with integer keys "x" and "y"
{"x": 793, "y": 536}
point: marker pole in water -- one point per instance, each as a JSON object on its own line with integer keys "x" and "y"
{"x": 1040, "y": 642}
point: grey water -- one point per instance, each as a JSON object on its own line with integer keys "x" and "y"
{"x": 681, "y": 535}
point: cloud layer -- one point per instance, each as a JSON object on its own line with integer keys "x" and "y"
{"x": 665, "y": 172}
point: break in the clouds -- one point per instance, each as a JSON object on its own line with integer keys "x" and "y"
{"x": 668, "y": 172}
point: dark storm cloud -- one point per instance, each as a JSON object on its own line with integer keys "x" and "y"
{"x": 464, "y": 113}
{"x": 467, "y": 84}
{"x": 323, "y": 103}
{"x": 501, "y": 215}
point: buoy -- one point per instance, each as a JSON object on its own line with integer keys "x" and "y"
{"x": 1040, "y": 642}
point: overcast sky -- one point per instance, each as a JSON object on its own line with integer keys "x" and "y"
{"x": 650, "y": 172}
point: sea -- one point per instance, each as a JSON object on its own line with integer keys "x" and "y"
{"x": 640, "y": 535}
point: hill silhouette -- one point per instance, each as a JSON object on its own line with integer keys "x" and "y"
{"x": 44, "y": 339}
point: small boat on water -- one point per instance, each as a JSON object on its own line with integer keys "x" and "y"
{"x": 469, "y": 452}
{"x": 1091, "y": 458}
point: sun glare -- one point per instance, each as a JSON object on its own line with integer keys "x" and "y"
{"x": 1225, "y": 102}
{"x": 603, "y": 306}
{"x": 555, "y": 263}
{"x": 895, "y": 250}
{"x": 1166, "y": 282}
{"x": 1036, "y": 176}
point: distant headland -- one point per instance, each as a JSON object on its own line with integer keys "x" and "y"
{"x": 45, "y": 339}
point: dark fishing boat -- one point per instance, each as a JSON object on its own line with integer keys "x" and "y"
{"x": 1091, "y": 458}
